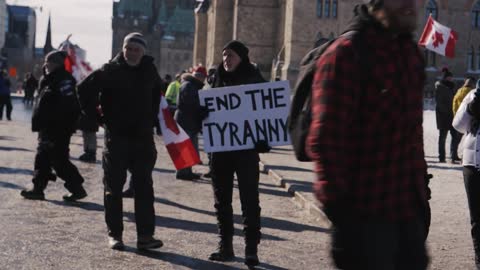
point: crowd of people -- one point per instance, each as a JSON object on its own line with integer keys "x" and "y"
{"x": 365, "y": 139}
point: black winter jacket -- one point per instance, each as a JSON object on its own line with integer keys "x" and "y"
{"x": 129, "y": 96}
{"x": 56, "y": 107}
{"x": 444, "y": 93}
{"x": 188, "y": 114}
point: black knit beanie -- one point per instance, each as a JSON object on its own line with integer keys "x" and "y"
{"x": 446, "y": 73}
{"x": 375, "y": 4}
{"x": 239, "y": 48}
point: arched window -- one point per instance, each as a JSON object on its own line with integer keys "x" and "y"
{"x": 470, "y": 60}
{"x": 319, "y": 8}
{"x": 476, "y": 15}
{"x": 431, "y": 8}
{"x": 327, "y": 8}
{"x": 334, "y": 8}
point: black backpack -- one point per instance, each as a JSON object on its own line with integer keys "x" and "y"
{"x": 300, "y": 116}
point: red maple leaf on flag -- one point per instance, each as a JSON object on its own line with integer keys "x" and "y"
{"x": 437, "y": 39}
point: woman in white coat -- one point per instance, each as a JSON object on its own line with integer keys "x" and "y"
{"x": 467, "y": 121}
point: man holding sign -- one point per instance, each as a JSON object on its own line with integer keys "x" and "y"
{"x": 235, "y": 69}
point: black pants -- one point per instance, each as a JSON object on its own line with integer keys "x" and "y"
{"x": 139, "y": 156}
{"x": 53, "y": 152}
{"x": 245, "y": 165}
{"x": 471, "y": 177}
{"x": 379, "y": 245}
{"x": 5, "y": 100}
{"x": 456, "y": 138}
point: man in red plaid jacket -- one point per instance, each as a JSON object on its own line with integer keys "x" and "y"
{"x": 366, "y": 140}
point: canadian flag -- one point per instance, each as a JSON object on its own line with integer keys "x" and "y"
{"x": 75, "y": 62}
{"x": 438, "y": 38}
{"x": 178, "y": 143}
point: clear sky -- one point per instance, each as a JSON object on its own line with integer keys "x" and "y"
{"x": 89, "y": 22}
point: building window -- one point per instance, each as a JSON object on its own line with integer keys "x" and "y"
{"x": 334, "y": 8}
{"x": 327, "y": 8}
{"x": 431, "y": 8}
{"x": 470, "y": 59}
{"x": 476, "y": 15}
{"x": 319, "y": 8}
{"x": 478, "y": 59}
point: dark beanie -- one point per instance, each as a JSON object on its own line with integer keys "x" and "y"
{"x": 56, "y": 57}
{"x": 446, "y": 73}
{"x": 374, "y": 3}
{"x": 239, "y": 48}
{"x": 136, "y": 38}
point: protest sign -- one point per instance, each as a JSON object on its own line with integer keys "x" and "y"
{"x": 241, "y": 115}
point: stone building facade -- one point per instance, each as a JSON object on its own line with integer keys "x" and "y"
{"x": 168, "y": 26}
{"x": 280, "y": 32}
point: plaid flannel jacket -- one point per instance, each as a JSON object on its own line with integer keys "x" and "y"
{"x": 366, "y": 135}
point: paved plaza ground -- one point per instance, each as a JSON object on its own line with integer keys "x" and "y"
{"x": 52, "y": 234}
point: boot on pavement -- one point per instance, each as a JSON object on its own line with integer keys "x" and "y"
{"x": 251, "y": 257}
{"x": 148, "y": 242}
{"x": 33, "y": 194}
{"x": 116, "y": 243}
{"x": 78, "y": 194}
{"x": 224, "y": 252}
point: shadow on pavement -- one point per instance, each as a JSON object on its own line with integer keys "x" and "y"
{"x": 7, "y": 138}
{"x": 302, "y": 186}
{"x": 5, "y": 170}
{"x": 89, "y": 206}
{"x": 267, "y": 222}
{"x": 91, "y": 163}
{"x": 286, "y": 168}
{"x": 9, "y": 185}
{"x": 6, "y": 148}
{"x": 439, "y": 167}
{"x": 188, "y": 225}
{"x": 181, "y": 260}
{"x": 160, "y": 170}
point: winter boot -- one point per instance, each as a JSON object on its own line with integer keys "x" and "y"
{"x": 116, "y": 243}
{"x": 78, "y": 194}
{"x": 33, "y": 194}
{"x": 224, "y": 251}
{"x": 148, "y": 242}
{"x": 251, "y": 257}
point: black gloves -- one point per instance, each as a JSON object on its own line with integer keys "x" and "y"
{"x": 203, "y": 112}
{"x": 262, "y": 146}
{"x": 427, "y": 181}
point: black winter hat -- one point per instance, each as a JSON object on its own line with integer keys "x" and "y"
{"x": 446, "y": 73}
{"x": 374, "y": 3}
{"x": 56, "y": 57}
{"x": 239, "y": 48}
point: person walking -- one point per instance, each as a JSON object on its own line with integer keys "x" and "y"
{"x": 172, "y": 93}
{"x": 190, "y": 114}
{"x": 128, "y": 91}
{"x": 467, "y": 121}
{"x": 54, "y": 116}
{"x": 5, "y": 96}
{"x": 468, "y": 85}
{"x": 366, "y": 140}
{"x": 30, "y": 84}
{"x": 236, "y": 69}
{"x": 444, "y": 93}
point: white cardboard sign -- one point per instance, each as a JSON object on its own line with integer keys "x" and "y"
{"x": 241, "y": 115}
